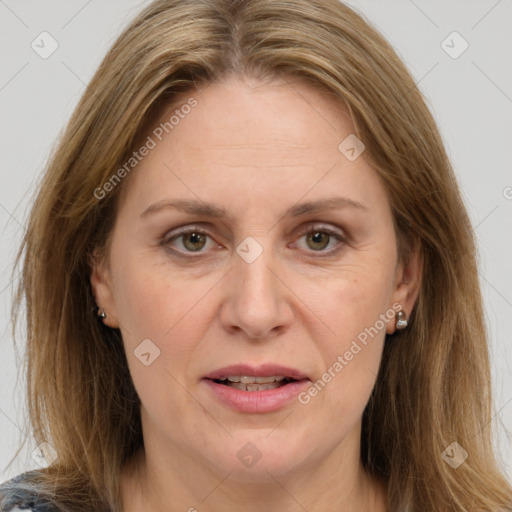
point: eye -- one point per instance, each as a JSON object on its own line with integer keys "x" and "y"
{"x": 191, "y": 239}
{"x": 319, "y": 237}
{"x": 194, "y": 239}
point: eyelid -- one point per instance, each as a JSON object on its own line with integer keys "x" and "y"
{"x": 318, "y": 226}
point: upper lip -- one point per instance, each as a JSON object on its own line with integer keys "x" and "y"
{"x": 265, "y": 370}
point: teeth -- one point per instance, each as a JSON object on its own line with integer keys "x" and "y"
{"x": 250, "y": 383}
{"x": 265, "y": 380}
{"x": 254, "y": 387}
{"x": 245, "y": 379}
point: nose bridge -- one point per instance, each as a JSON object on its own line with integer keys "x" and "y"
{"x": 256, "y": 301}
{"x": 254, "y": 279}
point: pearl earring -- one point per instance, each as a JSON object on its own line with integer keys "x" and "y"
{"x": 401, "y": 320}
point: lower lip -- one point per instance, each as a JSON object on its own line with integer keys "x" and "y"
{"x": 267, "y": 400}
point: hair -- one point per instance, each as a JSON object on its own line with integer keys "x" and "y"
{"x": 433, "y": 387}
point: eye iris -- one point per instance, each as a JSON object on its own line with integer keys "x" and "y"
{"x": 195, "y": 238}
{"x": 316, "y": 237}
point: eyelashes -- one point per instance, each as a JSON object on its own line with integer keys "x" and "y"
{"x": 195, "y": 241}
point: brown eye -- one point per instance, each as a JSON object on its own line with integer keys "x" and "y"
{"x": 193, "y": 241}
{"x": 187, "y": 240}
{"x": 318, "y": 239}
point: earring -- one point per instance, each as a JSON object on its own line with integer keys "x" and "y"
{"x": 102, "y": 314}
{"x": 401, "y": 320}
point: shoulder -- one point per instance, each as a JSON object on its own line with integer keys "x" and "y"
{"x": 21, "y": 494}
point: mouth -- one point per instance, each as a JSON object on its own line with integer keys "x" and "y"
{"x": 253, "y": 383}
{"x": 256, "y": 389}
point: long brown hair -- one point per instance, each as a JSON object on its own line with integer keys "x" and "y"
{"x": 434, "y": 383}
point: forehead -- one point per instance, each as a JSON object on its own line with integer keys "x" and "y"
{"x": 243, "y": 113}
{"x": 250, "y": 121}
{"x": 249, "y": 141}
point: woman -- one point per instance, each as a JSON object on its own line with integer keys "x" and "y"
{"x": 251, "y": 280}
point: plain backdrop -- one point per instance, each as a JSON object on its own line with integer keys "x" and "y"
{"x": 469, "y": 94}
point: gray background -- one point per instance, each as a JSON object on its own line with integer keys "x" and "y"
{"x": 470, "y": 96}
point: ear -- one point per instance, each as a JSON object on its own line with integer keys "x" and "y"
{"x": 407, "y": 284}
{"x": 101, "y": 282}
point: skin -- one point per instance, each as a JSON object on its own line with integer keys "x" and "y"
{"x": 255, "y": 148}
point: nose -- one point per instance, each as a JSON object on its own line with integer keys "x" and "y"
{"x": 257, "y": 298}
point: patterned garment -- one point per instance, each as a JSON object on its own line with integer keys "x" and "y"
{"x": 20, "y": 495}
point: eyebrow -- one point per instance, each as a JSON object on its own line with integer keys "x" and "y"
{"x": 195, "y": 207}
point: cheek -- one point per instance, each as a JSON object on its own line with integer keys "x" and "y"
{"x": 158, "y": 318}
{"x": 146, "y": 304}
{"x": 356, "y": 301}
{"x": 149, "y": 300}
{"x": 355, "y": 307}
{"x": 166, "y": 308}
{"x": 350, "y": 364}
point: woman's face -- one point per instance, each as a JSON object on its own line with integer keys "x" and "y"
{"x": 290, "y": 270}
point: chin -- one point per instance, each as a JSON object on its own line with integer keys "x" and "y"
{"x": 258, "y": 458}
